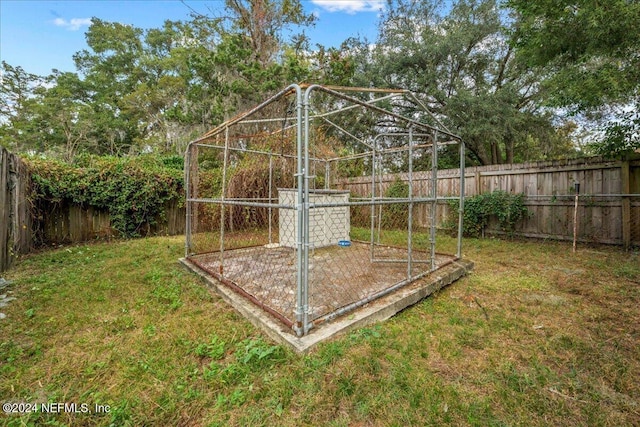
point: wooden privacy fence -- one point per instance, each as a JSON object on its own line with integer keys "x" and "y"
{"x": 609, "y": 201}
{"x": 71, "y": 223}
{"x": 15, "y": 212}
{"x": 58, "y": 223}
{"x": 609, "y": 204}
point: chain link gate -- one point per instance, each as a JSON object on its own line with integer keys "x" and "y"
{"x": 268, "y": 214}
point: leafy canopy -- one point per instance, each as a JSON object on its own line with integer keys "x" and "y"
{"x": 591, "y": 53}
{"x": 459, "y": 61}
{"x": 592, "y": 48}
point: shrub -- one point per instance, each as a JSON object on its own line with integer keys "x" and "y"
{"x": 507, "y": 208}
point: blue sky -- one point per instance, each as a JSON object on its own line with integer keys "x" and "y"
{"x": 41, "y": 35}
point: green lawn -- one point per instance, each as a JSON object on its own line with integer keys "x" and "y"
{"x": 536, "y": 335}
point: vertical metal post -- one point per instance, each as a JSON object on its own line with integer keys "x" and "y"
{"x": 307, "y": 177}
{"x": 270, "y": 195}
{"x": 187, "y": 183}
{"x": 575, "y": 216}
{"x": 461, "y": 204}
{"x": 410, "y": 214}
{"x": 373, "y": 195}
{"x": 300, "y": 279}
{"x": 222, "y": 197}
{"x": 434, "y": 195}
{"x": 381, "y": 194}
{"x": 327, "y": 176}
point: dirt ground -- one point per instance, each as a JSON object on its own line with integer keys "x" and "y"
{"x": 338, "y": 276}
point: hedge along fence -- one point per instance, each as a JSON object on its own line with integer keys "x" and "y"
{"x": 609, "y": 202}
{"x": 47, "y": 202}
{"x": 103, "y": 197}
{"x": 15, "y": 212}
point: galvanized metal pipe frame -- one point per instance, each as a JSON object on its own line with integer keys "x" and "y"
{"x": 434, "y": 198}
{"x": 302, "y": 323}
{"x": 365, "y": 202}
{"x": 434, "y": 195}
{"x": 410, "y": 210}
{"x": 461, "y": 203}
{"x": 270, "y": 196}
{"x": 224, "y": 190}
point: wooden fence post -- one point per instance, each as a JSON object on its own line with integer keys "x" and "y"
{"x": 478, "y": 184}
{"x": 626, "y": 204}
{"x": 5, "y": 207}
{"x": 192, "y": 162}
{"x": 15, "y": 214}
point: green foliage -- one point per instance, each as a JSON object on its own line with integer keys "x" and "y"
{"x": 395, "y": 215}
{"x": 622, "y": 136}
{"x": 251, "y": 357}
{"x": 140, "y": 90}
{"x": 350, "y": 168}
{"x": 258, "y": 353}
{"x": 591, "y": 48}
{"x": 590, "y": 52}
{"x": 19, "y": 124}
{"x": 173, "y": 162}
{"x": 133, "y": 190}
{"x": 507, "y": 208}
{"x": 459, "y": 62}
{"x": 168, "y": 294}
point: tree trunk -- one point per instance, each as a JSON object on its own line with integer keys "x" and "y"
{"x": 495, "y": 154}
{"x": 479, "y": 150}
{"x": 509, "y": 146}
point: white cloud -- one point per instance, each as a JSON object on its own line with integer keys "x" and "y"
{"x": 350, "y": 6}
{"x": 72, "y": 25}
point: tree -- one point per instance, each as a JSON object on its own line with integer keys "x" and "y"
{"x": 262, "y": 22}
{"x": 112, "y": 70}
{"x": 161, "y": 86}
{"x": 336, "y": 66}
{"x": 245, "y": 56}
{"x": 621, "y": 137}
{"x": 462, "y": 66}
{"x": 157, "y": 88}
{"x": 66, "y": 114}
{"x": 591, "y": 47}
{"x": 18, "y": 94}
{"x": 590, "y": 51}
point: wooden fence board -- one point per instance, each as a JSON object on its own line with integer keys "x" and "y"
{"x": 15, "y": 213}
{"x": 68, "y": 223}
{"x": 546, "y": 185}
{"x": 60, "y": 222}
{"x": 548, "y": 189}
{"x": 5, "y": 207}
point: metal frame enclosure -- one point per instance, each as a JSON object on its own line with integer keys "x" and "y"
{"x": 285, "y": 141}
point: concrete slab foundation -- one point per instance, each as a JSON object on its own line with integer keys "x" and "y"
{"x": 375, "y": 311}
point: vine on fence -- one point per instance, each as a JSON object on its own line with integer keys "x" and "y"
{"x": 507, "y": 208}
{"x": 134, "y": 190}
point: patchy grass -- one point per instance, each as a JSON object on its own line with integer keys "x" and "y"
{"x": 536, "y": 335}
